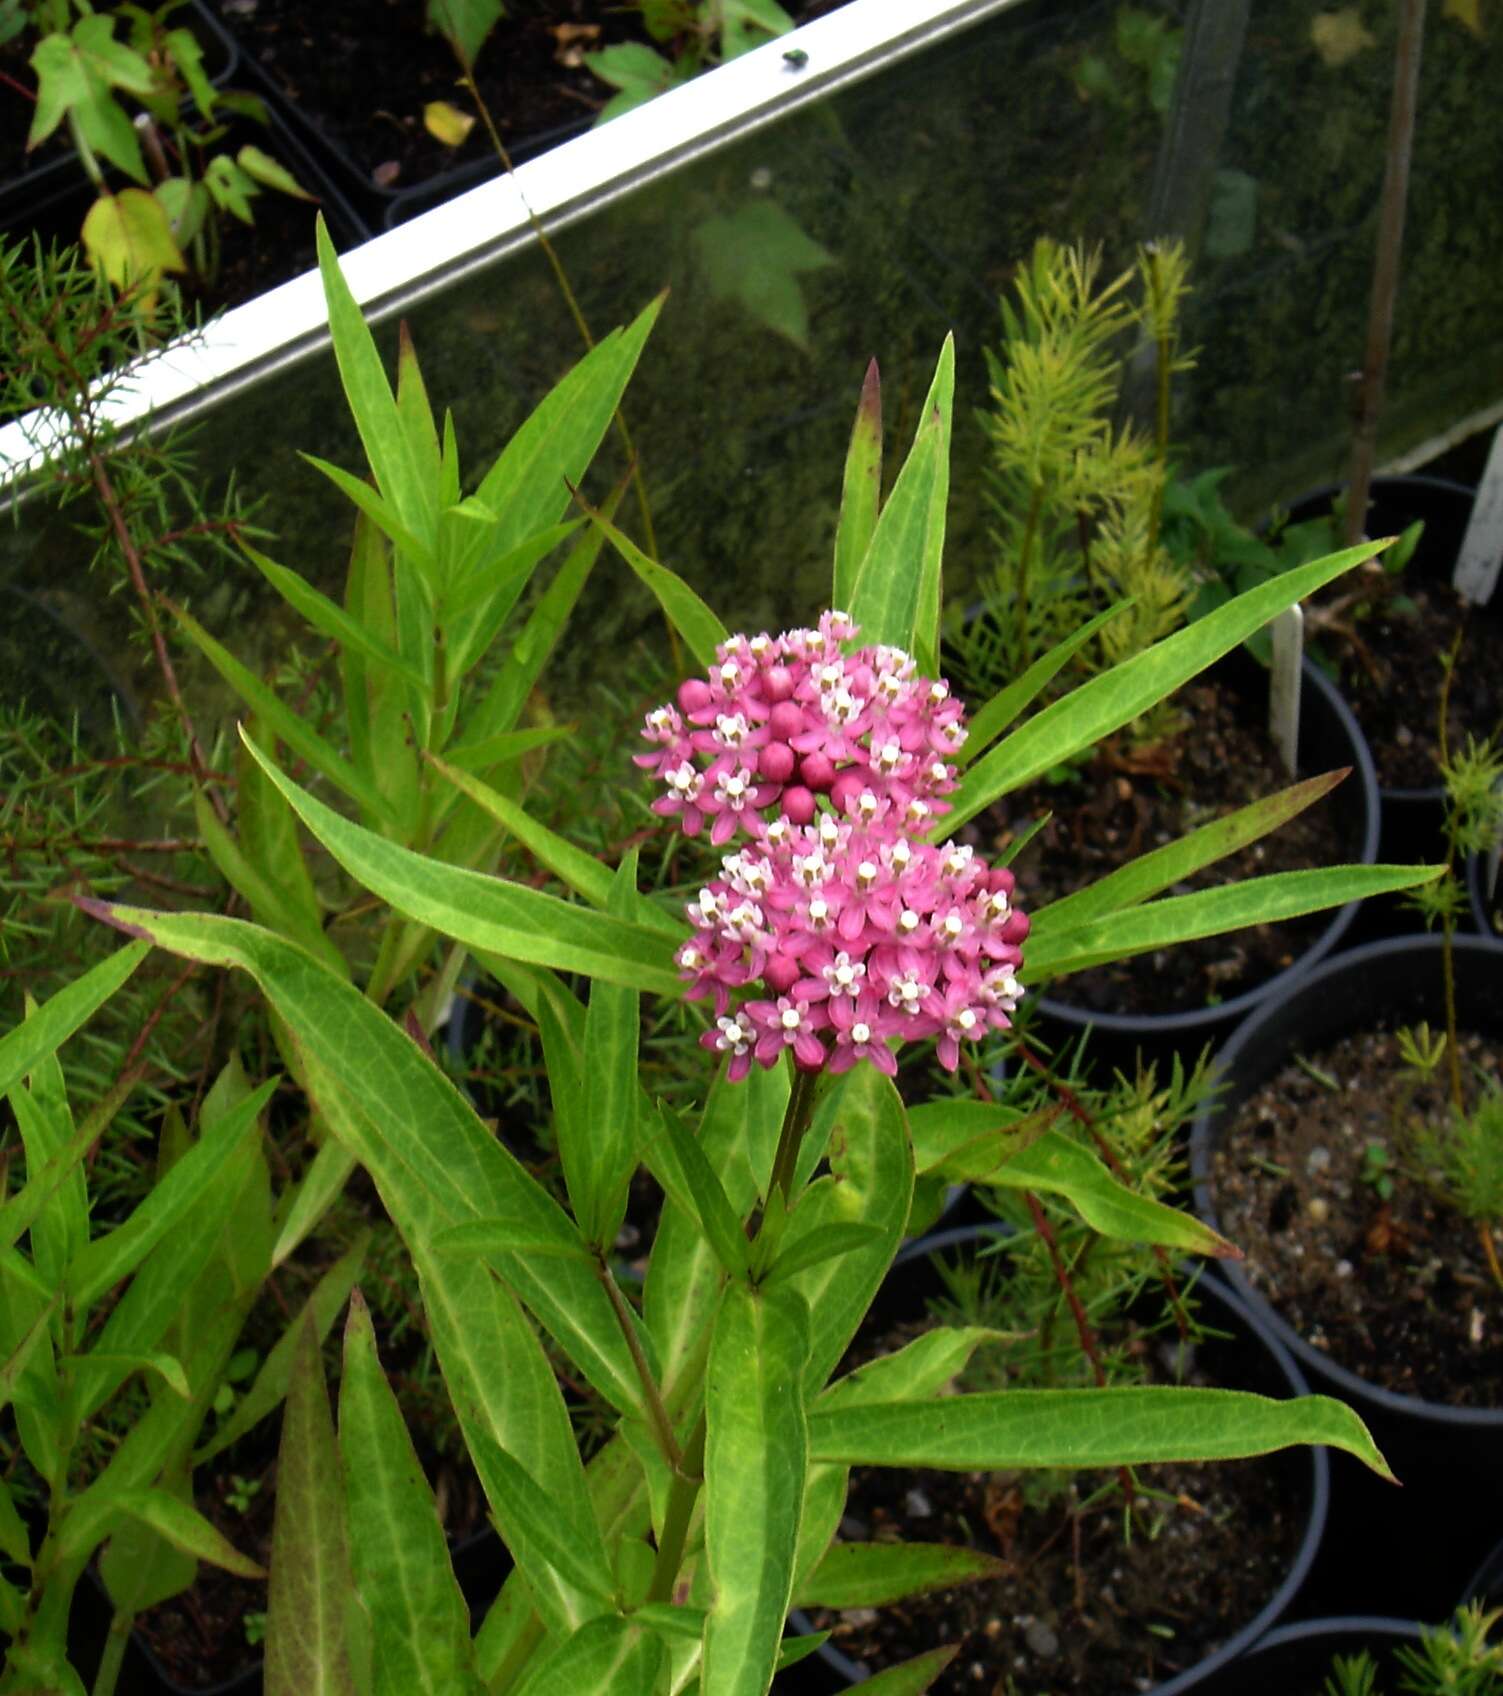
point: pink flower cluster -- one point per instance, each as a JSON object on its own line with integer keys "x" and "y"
{"x": 833, "y": 764}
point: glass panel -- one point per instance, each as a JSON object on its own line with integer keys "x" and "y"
{"x": 895, "y": 212}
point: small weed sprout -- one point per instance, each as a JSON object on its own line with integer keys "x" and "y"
{"x": 1455, "y": 1659}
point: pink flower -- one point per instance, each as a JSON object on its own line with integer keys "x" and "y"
{"x": 837, "y": 926}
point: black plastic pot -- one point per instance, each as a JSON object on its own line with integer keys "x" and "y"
{"x": 1329, "y": 738}
{"x": 1412, "y": 817}
{"x": 1485, "y": 909}
{"x": 1251, "y": 1357}
{"x": 1295, "y": 1660}
{"x": 1450, "y": 1459}
{"x": 38, "y": 184}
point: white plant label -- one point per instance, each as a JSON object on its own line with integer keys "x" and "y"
{"x": 1288, "y": 633}
{"x": 1476, "y": 574}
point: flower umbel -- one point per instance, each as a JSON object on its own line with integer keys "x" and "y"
{"x": 838, "y": 926}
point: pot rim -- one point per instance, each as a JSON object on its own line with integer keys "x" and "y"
{"x": 1205, "y": 1021}
{"x": 1205, "y": 1131}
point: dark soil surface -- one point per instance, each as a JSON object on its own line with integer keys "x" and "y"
{"x": 1126, "y": 1617}
{"x": 1398, "y": 1290}
{"x": 1400, "y": 631}
{"x": 1129, "y": 801}
{"x": 364, "y": 74}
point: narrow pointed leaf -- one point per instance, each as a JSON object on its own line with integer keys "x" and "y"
{"x": 870, "y": 1183}
{"x": 756, "y": 1456}
{"x": 865, "y": 1575}
{"x": 987, "y": 724}
{"x": 307, "y": 1649}
{"x": 924, "y": 1367}
{"x": 371, "y": 506}
{"x": 685, "y": 1174}
{"x": 1126, "y": 1426}
{"x": 897, "y": 591}
{"x": 43, "y": 1117}
{"x": 488, "y": 912}
{"x": 968, "y": 1142}
{"x": 911, "y": 1678}
{"x": 1210, "y": 912}
{"x": 829, "y": 1242}
{"x": 282, "y": 721}
{"x": 507, "y": 1399}
{"x": 25, "y": 1046}
{"x": 268, "y": 1388}
{"x": 609, "y": 1656}
{"x": 433, "y": 1161}
{"x": 1164, "y": 867}
{"x": 582, "y": 872}
{"x": 860, "y": 490}
{"x": 505, "y": 577}
{"x": 114, "y": 1256}
{"x": 399, "y": 469}
{"x": 330, "y": 618}
{"x": 506, "y": 747}
{"x": 1115, "y": 698}
{"x": 701, "y": 630}
{"x": 420, "y": 1625}
{"x": 532, "y": 649}
{"x": 186, "y": 1529}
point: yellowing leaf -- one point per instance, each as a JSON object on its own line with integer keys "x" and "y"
{"x": 1467, "y": 13}
{"x": 128, "y": 236}
{"x": 1339, "y": 36}
{"x": 447, "y": 123}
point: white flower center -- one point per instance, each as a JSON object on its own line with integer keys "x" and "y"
{"x": 861, "y": 1034}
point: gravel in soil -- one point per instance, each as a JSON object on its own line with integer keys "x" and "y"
{"x": 1129, "y": 801}
{"x": 1399, "y": 632}
{"x": 1129, "y": 1616}
{"x": 1396, "y": 1289}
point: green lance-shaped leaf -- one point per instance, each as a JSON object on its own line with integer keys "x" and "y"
{"x": 679, "y": 1164}
{"x": 488, "y": 912}
{"x": 283, "y": 722}
{"x": 609, "y": 1656}
{"x": 1115, "y": 698}
{"x": 45, "y": 1122}
{"x": 911, "y": 1678}
{"x": 970, "y": 1142}
{"x": 329, "y": 618}
{"x": 433, "y": 1161}
{"x": 756, "y": 1455}
{"x": 583, "y": 872}
{"x": 897, "y": 592}
{"x": 826, "y": 1242}
{"x": 377, "y": 512}
{"x": 921, "y": 1368}
{"x": 1164, "y": 867}
{"x": 738, "y": 1131}
{"x": 506, "y": 1395}
{"x": 1079, "y": 1429}
{"x": 865, "y": 1575}
{"x": 870, "y": 1182}
{"x": 701, "y": 630}
{"x": 420, "y": 1626}
{"x": 187, "y": 1529}
{"x": 860, "y": 491}
{"x": 307, "y": 1646}
{"x": 394, "y": 457}
{"x": 167, "y": 1278}
{"x": 988, "y": 723}
{"x": 23, "y": 1048}
{"x": 323, "y": 1306}
{"x": 104, "y": 1262}
{"x": 1210, "y": 912}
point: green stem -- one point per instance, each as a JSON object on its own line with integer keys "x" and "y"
{"x": 683, "y": 1493}
{"x": 657, "y": 1415}
{"x": 114, "y": 1654}
{"x": 1025, "y": 553}
{"x": 795, "y": 1123}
